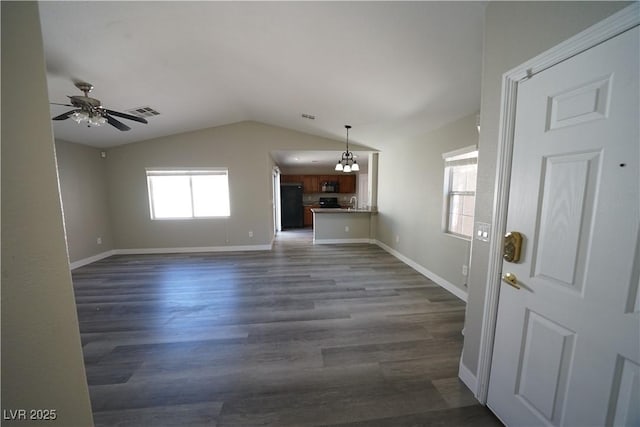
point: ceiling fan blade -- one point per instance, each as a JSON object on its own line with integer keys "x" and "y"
{"x": 115, "y": 123}
{"x": 57, "y": 103}
{"x": 126, "y": 116}
{"x": 64, "y": 116}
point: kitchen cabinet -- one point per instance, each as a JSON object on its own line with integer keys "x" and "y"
{"x": 308, "y": 216}
{"x": 313, "y": 183}
{"x": 347, "y": 183}
{"x": 291, "y": 178}
{"x": 310, "y": 183}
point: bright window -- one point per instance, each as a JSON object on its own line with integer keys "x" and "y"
{"x": 179, "y": 193}
{"x": 460, "y": 171}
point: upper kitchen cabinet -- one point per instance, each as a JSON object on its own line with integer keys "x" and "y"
{"x": 313, "y": 183}
{"x": 291, "y": 179}
{"x": 310, "y": 183}
{"x": 347, "y": 183}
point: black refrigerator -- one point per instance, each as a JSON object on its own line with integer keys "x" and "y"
{"x": 291, "y": 206}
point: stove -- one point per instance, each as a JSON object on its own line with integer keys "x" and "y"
{"x": 329, "y": 202}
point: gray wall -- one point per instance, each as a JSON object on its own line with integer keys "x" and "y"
{"x": 514, "y": 33}
{"x": 83, "y": 187}
{"x": 42, "y": 364}
{"x": 331, "y": 226}
{"x": 244, "y": 148}
{"x": 410, "y": 200}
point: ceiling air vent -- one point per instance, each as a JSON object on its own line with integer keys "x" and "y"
{"x": 143, "y": 112}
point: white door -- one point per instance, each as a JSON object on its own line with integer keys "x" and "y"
{"x": 567, "y": 344}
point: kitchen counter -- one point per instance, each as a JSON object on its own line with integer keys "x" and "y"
{"x": 341, "y": 210}
{"x": 340, "y": 225}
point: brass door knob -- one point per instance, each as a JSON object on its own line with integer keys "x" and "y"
{"x": 511, "y": 280}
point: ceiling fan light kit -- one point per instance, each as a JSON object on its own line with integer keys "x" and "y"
{"x": 90, "y": 111}
{"x": 92, "y": 120}
{"x": 347, "y": 162}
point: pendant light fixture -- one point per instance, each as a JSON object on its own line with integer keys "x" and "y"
{"x": 347, "y": 162}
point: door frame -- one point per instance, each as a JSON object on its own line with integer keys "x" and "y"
{"x": 604, "y": 30}
{"x": 277, "y": 214}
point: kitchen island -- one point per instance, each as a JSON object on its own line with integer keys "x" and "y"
{"x": 342, "y": 225}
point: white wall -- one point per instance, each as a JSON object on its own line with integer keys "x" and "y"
{"x": 363, "y": 190}
{"x": 514, "y": 32}
{"x": 244, "y": 148}
{"x": 42, "y": 366}
{"x": 410, "y": 200}
{"x": 83, "y": 187}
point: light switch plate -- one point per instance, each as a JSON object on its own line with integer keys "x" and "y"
{"x": 482, "y": 231}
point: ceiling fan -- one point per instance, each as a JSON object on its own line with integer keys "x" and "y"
{"x": 90, "y": 110}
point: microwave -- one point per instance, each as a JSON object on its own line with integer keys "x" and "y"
{"x": 330, "y": 187}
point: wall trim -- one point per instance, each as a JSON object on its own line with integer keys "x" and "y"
{"x": 182, "y": 250}
{"x": 425, "y": 272}
{"x": 600, "y": 32}
{"x": 467, "y": 377}
{"x": 342, "y": 241}
{"x": 89, "y": 260}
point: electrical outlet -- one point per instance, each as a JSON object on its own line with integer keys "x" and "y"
{"x": 465, "y": 270}
{"x": 250, "y": 233}
{"x": 99, "y": 240}
{"x": 346, "y": 228}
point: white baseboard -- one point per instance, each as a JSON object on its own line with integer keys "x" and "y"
{"x": 183, "y": 250}
{"x": 142, "y": 251}
{"x": 425, "y": 272}
{"x": 82, "y": 262}
{"x": 468, "y": 378}
{"x": 341, "y": 241}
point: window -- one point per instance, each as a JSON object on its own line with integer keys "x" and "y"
{"x": 180, "y": 193}
{"x": 460, "y": 170}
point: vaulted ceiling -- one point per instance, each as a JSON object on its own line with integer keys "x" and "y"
{"x": 392, "y": 70}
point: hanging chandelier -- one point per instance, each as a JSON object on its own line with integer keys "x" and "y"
{"x": 347, "y": 162}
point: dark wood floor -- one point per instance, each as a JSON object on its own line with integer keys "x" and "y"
{"x": 299, "y": 336}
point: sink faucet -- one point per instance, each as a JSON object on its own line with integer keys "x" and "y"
{"x": 353, "y": 201}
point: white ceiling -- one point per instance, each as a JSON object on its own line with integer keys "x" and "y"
{"x": 391, "y": 69}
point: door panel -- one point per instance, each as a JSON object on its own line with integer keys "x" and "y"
{"x": 624, "y": 408}
{"x": 633, "y": 298}
{"x": 589, "y": 101}
{"x": 568, "y": 194}
{"x": 546, "y": 359}
{"x": 567, "y": 344}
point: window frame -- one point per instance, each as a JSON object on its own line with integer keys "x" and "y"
{"x": 188, "y": 172}
{"x": 452, "y": 159}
